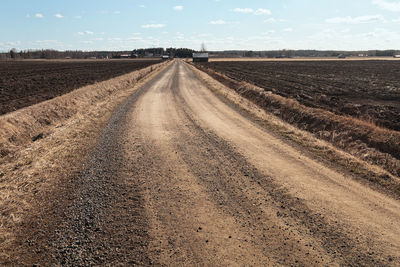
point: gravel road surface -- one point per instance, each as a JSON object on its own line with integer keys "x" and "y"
{"x": 179, "y": 177}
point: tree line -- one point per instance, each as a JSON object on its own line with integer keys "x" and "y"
{"x": 173, "y": 52}
{"x": 77, "y": 54}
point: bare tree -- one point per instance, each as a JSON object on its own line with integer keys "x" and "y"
{"x": 13, "y": 53}
{"x": 203, "y": 48}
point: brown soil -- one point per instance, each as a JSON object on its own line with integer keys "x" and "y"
{"x": 178, "y": 177}
{"x": 363, "y": 89}
{"x": 24, "y": 83}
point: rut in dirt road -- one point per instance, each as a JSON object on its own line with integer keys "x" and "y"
{"x": 181, "y": 178}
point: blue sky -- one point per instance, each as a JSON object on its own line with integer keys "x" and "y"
{"x": 220, "y": 24}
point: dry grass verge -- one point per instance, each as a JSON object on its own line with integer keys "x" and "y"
{"x": 45, "y": 144}
{"x": 356, "y": 139}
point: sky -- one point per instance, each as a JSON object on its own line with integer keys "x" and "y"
{"x": 219, "y": 24}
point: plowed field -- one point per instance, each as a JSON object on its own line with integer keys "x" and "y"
{"x": 369, "y": 90}
{"x": 24, "y": 83}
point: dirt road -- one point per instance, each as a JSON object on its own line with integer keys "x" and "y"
{"x": 181, "y": 178}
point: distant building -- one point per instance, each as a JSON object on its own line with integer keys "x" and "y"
{"x": 396, "y": 56}
{"x": 124, "y": 56}
{"x": 341, "y": 56}
{"x": 165, "y": 57}
{"x": 200, "y": 57}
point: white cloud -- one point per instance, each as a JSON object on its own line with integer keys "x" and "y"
{"x": 39, "y": 15}
{"x": 356, "y": 20}
{"x": 387, "y": 5}
{"x": 381, "y": 35}
{"x": 369, "y": 35}
{"x": 142, "y": 6}
{"x": 59, "y": 16}
{"x": 247, "y": 10}
{"x": 86, "y": 33}
{"x": 396, "y": 20}
{"x": 270, "y": 20}
{"x": 46, "y": 41}
{"x": 288, "y": 30}
{"x": 117, "y": 12}
{"x": 153, "y": 26}
{"x": 47, "y": 44}
{"x": 13, "y": 43}
{"x": 98, "y": 39}
{"x": 178, "y": 8}
{"x": 262, "y": 11}
{"x": 218, "y": 22}
{"x": 78, "y": 17}
{"x": 269, "y": 32}
{"x": 134, "y": 39}
{"x": 243, "y": 10}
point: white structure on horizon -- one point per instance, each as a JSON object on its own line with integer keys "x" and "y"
{"x": 200, "y": 57}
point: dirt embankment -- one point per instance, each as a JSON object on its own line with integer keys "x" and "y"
{"x": 42, "y": 145}
{"x": 364, "y": 140}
